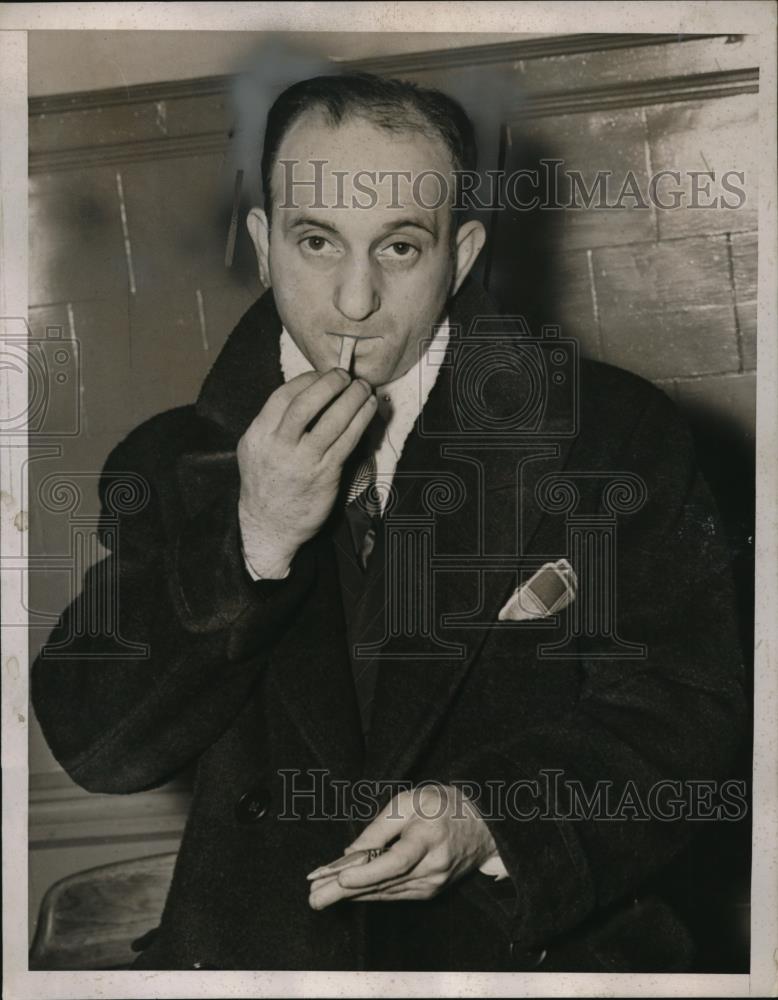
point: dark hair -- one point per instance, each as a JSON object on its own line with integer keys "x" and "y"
{"x": 395, "y": 105}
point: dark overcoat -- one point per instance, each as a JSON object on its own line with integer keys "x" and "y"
{"x": 251, "y": 681}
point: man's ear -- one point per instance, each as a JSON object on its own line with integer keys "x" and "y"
{"x": 470, "y": 239}
{"x": 259, "y": 231}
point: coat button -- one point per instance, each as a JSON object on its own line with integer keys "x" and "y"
{"x": 527, "y": 959}
{"x": 252, "y": 805}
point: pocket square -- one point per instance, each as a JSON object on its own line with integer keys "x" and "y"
{"x": 547, "y": 591}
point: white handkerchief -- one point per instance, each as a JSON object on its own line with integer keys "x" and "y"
{"x": 547, "y": 591}
{"x": 494, "y": 867}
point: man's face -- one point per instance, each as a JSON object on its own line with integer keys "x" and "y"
{"x": 381, "y": 274}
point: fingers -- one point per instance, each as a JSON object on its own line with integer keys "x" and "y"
{"x": 400, "y": 859}
{"x": 410, "y": 886}
{"x": 428, "y": 854}
{"x": 278, "y": 401}
{"x": 341, "y": 447}
{"x": 336, "y": 418}
{"x": 410, "y": 889}
{"x": 397, "y": 866}
{"x": 292, "y": 408}
{"x": 307, "y": 403}
{"x": 319, "y": 883}
{"x": 331, "y": 892}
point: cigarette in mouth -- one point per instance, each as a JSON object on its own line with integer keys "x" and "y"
{"x": 347, "y": 345}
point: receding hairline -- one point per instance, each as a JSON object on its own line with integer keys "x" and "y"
{"x": 413, "y": 122}
{"x": 382, "y": 117}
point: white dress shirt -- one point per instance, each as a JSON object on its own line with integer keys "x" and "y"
{"x": 399, "y": 403}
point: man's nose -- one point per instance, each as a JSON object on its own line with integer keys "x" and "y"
{"x": 356, "y": 293}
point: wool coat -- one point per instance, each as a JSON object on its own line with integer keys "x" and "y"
{"x": 251, "y": 681}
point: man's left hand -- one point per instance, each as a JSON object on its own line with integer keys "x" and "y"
{"x": 438, "y": 837}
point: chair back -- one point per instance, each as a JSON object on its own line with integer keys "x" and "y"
{"x": 90, "y": 919}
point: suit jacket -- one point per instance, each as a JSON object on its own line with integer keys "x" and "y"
{"x": 252, "y": 679}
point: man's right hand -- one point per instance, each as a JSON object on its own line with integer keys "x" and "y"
{"x": 290, "y": 474}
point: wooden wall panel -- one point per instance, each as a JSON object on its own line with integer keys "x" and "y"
{"x": 76, "y": 238}
{"x": 611, "y": 144}
{"x": 719, "y": 135}
{"x": 69, "y": 123}
{"x": 174, "y": 212}
{"x": 578, "y": 63}
{"x": 667, "y": 309}
{"x": 574, "y": 308}
{"x": 631, "y": 65}
{"x": 99, "y": 328}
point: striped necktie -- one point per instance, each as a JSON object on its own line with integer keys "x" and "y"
{"x": 362, "y": 508}
{"x": 364, "y": 478}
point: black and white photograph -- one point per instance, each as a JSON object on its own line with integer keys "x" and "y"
{"x": 388, "y": 442}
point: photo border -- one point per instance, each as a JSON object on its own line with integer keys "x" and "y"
{"x": 687, "y": 18}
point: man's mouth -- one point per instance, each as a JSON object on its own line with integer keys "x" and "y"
{"x": 355, "y": 336}
{"x": 347, "y": 344}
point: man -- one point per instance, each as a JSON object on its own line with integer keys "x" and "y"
{"x": 370, "y": 615}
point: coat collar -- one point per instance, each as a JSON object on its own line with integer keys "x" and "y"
{"x": 446, "y": 475}
{"x": 246, "y": 372}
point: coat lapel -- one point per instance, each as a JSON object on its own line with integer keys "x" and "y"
{"x": 472, "y": 493}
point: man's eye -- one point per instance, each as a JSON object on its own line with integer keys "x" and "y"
{"x": 315, "y": 243}
{"x": 400, "y": 249}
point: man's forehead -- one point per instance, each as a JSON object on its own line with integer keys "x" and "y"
{"x": 355, "y": 162}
